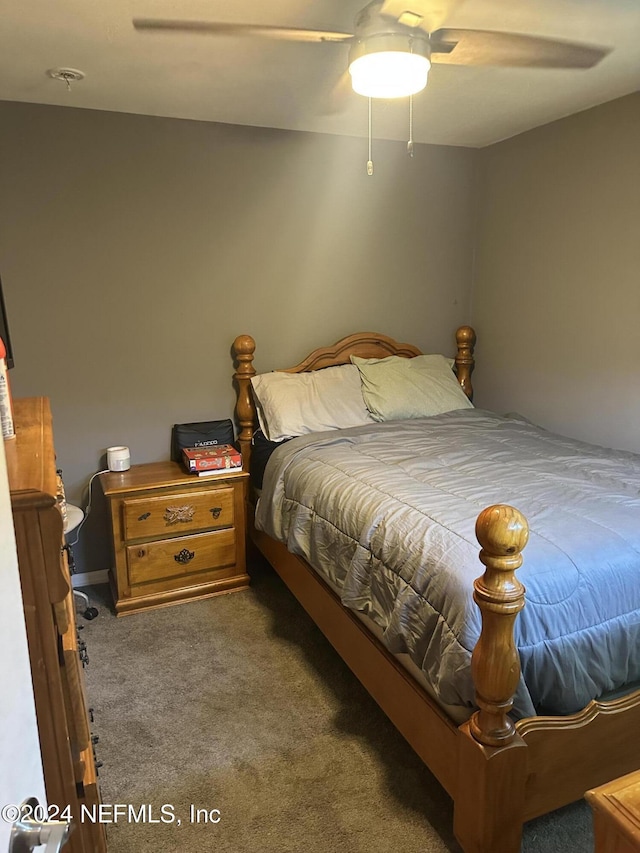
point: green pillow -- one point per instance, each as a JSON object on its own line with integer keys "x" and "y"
{"x": 395, "y": 388}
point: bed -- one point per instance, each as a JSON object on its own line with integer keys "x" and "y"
{"x": 501, "y": 764}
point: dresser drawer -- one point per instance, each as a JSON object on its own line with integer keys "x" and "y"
{"x": 183, "y": 555}
{"x": 177, "y": 514}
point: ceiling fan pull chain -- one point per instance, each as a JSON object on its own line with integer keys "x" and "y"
{"x": 369, "y": 161}
{"x": 410, "y": 142}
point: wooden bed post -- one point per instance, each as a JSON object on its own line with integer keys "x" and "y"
{"x": 465, "y": 362}
{"x": 489, "y": 801}
{"x": 502, "y": 532}
{"x": 243, "y": 348}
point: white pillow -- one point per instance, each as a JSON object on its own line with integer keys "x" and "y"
{"x": 291, "y": 404}
{"x": 395, "y": 388}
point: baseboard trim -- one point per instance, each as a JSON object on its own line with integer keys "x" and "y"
{"x": 90, "y": 578}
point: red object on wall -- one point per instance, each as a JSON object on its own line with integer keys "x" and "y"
{"x": 6, "y": 406}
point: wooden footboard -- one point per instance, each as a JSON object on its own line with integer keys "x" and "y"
{"x": 568, "y": 755}
{"x": 499, "y": 773}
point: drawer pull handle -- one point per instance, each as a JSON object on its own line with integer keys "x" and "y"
{"x": 184, "y": 556}
{"x": 141, "y": 552}
{"x": 215, "y": 511}
{"x": 176, "y": 514}
{"x": 144, "y": 516}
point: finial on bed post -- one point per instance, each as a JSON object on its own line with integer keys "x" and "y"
{"x": 502, "y": 532}
{"x": 244, "y": 347}
{"x": 465, "y": 362}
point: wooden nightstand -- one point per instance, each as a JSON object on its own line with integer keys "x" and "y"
{"x": 616, "y": 815}
{"x": 176, "y": 536}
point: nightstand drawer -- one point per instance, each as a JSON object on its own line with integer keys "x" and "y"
{"x": 180, "y": 556}
{"x": 177, "y": 514}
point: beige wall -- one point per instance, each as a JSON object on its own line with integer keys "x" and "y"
{"x": 133, "y": 250}
{"x": 556, "y": 298}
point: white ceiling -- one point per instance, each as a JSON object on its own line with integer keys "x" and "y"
{"x": 260, "y": 82}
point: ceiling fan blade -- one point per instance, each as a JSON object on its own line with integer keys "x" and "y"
{"x": 484, "y": 47}
{"x": 260, "y": 30}
{"x": 429, "y": 15}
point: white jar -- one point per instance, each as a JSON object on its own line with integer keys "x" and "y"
{"x": 118, "y": 458}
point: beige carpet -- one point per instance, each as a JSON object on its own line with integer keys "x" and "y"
{"x": 239, "y": 704}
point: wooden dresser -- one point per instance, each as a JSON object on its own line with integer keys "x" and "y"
{"x": 176, "y": 536}
{"x": 58, "y": 682}
{"x": 616, "y": 815}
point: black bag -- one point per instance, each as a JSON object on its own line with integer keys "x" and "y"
{"x": 205, "y": 434}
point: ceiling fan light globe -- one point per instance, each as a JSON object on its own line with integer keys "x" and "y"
{"x": 389, "y": 74}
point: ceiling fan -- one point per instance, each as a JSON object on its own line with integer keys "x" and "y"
{"x": 394, "y": 43}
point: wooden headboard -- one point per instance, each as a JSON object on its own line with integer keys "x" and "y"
{"x": 362, "y": 344}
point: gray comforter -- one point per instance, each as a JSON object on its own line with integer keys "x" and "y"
{"x": 387, "y": 514}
